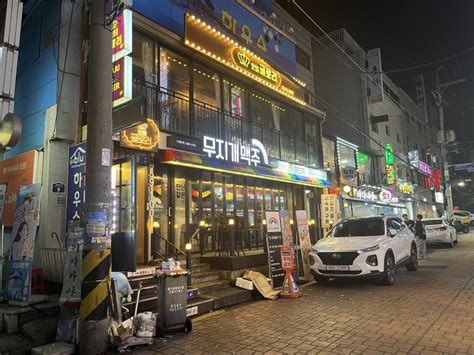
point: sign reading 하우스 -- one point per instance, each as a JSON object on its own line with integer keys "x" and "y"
{"x": 329, "y": 213}
{"x": 76, "y": 182}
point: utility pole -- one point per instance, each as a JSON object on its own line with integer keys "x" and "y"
{"x": 439, "y": 102}
{"x": 96, "y": 257}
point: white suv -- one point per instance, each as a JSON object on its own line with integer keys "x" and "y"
{"x": 366, "y": 246}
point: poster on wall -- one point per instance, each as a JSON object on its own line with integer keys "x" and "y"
{"x": 3, "y": 191}
{"x": 305, "y": 241}
{"x": 21, "y": 246}
{"x": 286, "y": 229}
{"x": 15, "y": 172}
{"x": 274, "y": 243}
{"x": 329, "y": 213}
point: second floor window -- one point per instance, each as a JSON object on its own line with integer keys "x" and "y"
{"x": 174, "y": 72}
{"x": 303, "y": 58}
{"x": 207, "y": 89}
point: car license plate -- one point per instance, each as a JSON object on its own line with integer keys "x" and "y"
{"x": 337, "y": 267}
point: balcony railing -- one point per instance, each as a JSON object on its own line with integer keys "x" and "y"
{"x": 173, "y": 111}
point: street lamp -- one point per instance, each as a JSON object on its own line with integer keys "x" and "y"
{"x": 461, "y": 183}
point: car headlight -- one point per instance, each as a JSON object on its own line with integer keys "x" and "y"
{"x": 366, "y": 250}
{"x": 312, "y": 260}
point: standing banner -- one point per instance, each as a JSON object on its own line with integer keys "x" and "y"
{"x": 286, "y": 229}
{"x": 76, "y": 182}
{"x": 21, "y": 247}
{"x": 329, "y": 215}
{"x": 274, "y": 243}
{"x": 305, "y": 241}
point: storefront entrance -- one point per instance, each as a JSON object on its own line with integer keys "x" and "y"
{"x": 165, "y": 206}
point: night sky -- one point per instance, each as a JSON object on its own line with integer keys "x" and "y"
{"x": 410, "y": 32}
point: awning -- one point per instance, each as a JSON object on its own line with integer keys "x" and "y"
{"x": 202, "y": 162}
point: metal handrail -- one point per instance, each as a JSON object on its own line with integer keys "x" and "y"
{"x": 176, "y": 249}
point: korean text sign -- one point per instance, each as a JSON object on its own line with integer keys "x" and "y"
{"x": 76, "y": 181}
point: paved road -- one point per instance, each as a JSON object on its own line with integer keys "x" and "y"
{"x": 429, "y": 311}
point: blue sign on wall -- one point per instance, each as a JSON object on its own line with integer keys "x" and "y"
{"x": 234, "y": 18}
{"x": 76, "y": 181}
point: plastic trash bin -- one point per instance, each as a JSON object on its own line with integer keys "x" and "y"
{"x": 172, "y": 302}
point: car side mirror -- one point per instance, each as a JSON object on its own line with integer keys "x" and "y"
{"x": 392, "y": 232}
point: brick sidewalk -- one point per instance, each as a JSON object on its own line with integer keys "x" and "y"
{"x": 429, "y": 311}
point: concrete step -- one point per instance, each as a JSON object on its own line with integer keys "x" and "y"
{"x": 211, "y": 286}
{"x": 229, "y": 297}
{"x": 40, "y": 331}
{"x": 204, "y": 276}
{"x": 199, "y": 306}
{"x": 198, "y": 267}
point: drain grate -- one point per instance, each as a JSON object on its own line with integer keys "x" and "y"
{"x": 435, "y": 267}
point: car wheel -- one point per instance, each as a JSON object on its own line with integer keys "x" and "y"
{"x": 413, "y": 264}
{"x": 388, "y": 277}
{"x": 466, "y": 229}
{"x": 451, "y": 242}
{"x": 321, "y": 279}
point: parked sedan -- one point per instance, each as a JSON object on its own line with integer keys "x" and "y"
{"x": 438, "y": 230}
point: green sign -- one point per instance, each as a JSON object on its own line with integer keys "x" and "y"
{"x": 389, "y": 165}
{"x": 362, "y": 158}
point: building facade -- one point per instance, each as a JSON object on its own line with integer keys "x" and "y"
{"x": 372, "y": 129}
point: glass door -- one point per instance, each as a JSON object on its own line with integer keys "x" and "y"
{"x": 124, "y": 194}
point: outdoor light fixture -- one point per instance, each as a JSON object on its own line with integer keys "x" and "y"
{"x": 231, "y": 222}
{"x": 291, "y": 222}
{"x": 156, "y": 224}
{"x": 346, "y": 189}
{"x": 202, "y": 223}
{"x": 461, "y": 183}
{"x": 188, "y": 246}
{"x": 264, "y": 222}
{"x": 312, "y": 222}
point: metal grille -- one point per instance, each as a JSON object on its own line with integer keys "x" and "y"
{"x": 338, "y": 258}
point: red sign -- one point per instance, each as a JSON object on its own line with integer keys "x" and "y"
{"x": 287, "y": 259}
{"x": 122, "y": 84}
{"x": 436, "y": 180}
{"x": 122, "y": 35}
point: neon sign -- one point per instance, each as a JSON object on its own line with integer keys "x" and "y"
{"x": 254, "y": 154}
{"x": 390, "y": 165}
{"x": 144, "y": 136}
{"x": 219, "y": 47}
{"x": 258, "y": 67}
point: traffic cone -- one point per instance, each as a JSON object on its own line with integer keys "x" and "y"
{"x": 289, "y": 287}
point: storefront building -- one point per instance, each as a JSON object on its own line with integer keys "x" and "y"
{"x": 230, "y": 132}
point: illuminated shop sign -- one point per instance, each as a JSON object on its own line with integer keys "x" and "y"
{"x": 377, "y": 195}
{"x": 122, "y": 83}
{"x": 254, "y": 154}
{"x": 215, "y": 44}
{"x": 405, "y": 187}
{"x": 439, "y": 197}
{"x": 390, "y": 164}
{"x": 144, "y": 136}
{"x": 122, "y": 35}
{"x": 121, "y": 61}
{"x": 259, "y": 68}
{"x": 301, "y": 170}
{"x": 425, "y": 168}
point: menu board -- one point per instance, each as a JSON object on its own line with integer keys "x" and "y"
{"x": 274, "y": 243}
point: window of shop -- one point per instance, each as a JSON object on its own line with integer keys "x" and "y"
{"x": 207, "y": 101}
{"x": 174, "y": 92}
{"x": 329, "y": 157}
{"x": 144, "y": 59}
{"x": 366, "y": 170}
{"x": 347, "y": 164}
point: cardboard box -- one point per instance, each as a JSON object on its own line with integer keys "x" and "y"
{"x": 244, "y": 283}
